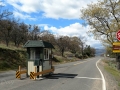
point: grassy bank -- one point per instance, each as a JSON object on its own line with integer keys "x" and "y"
{"x": 110, "y": 66}
{"x": 11, "y": 59}
{"x": 60, "y": 59}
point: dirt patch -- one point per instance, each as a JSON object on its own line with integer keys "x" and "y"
{"x": 111, "y": 83}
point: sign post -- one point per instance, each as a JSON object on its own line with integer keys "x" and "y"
{"x": 116, "y": 49}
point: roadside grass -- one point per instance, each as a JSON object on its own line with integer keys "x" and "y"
{"x": 10, "y": 59}
{"x": 59, "y": 59}
{"x": 110, "y": 67}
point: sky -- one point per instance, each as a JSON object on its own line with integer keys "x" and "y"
{"x": 60, "y": 17}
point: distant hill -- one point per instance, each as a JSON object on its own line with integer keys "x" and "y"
{"x": 99, "y": 52}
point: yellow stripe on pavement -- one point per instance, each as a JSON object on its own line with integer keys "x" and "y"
{"x": 80, "y": 63}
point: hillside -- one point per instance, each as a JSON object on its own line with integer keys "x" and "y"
{"x": 11, "y": 59}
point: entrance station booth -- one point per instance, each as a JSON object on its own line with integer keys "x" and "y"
{"x": 39, "y": 55}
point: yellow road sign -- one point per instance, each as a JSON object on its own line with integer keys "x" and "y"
{"x": 116, "y": 47}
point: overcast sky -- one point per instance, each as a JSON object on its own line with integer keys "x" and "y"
{"x": 61, "y": 17}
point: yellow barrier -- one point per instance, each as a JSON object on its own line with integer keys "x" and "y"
{"x": 19, "y": 72}
{"x": 33, "y": 75}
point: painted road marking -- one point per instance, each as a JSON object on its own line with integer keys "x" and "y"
{"x": 76, "y": 77}
{"x": 89, "y": 78}
{"x": 80, "y": 63}
{"x": 103, "y": 79}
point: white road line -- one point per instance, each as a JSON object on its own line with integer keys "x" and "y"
{"x": 89, "y": 78}
{"x": 103, "y": 79}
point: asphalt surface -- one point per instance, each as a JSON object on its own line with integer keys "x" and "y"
{"x": 79, "y": 75}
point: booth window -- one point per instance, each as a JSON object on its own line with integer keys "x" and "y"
{"x": 32, "y": 53}
{"x": 37, "y": 54}
{"x": 46, "y": 54}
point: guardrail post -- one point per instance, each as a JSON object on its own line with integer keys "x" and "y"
{"x": 35, "y": 72}
{"x": 20, "y": 71}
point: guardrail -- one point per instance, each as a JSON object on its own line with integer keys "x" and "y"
{"x": 34, "y": 74}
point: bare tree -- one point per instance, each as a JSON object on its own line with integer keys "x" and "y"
{"x": 17, "y": 34}
{"x": 75, "y": 44}
{"x": 34, "y": 32}
{"x": 6, "y": 28}
{"x": 62, "y": 42}
{"x": 5, "y": 24}
{"x": 24, "y": 30}
{"x": 4, "y": 13}
{"x": 47, "y": 36}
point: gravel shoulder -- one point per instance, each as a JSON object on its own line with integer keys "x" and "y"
{"x": 111, "y": 83}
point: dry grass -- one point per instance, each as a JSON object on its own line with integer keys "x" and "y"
{"x": 110, "y": 67}
{"x": 60, "y": 59}
{"x": 11, "y": 57}
{"x": 11, "y": 47}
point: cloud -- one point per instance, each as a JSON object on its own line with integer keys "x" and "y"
{"x": 23, "y": 16}
{"x": 25, "y": 5}
{"x": 75, "y": 29}
{"x": 42, "y": 25}
{"x": 2, "y": 3}
{"x": 94, "y": 43}
{"x": 66, "y": 9}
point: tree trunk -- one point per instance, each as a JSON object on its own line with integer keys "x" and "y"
{"x": 7, "y": 42}
{"x": 18, "y": 44}
{"x": 62, "y": 52}
{"x": 118, "y": 61}
{"x": 15, "y": 43}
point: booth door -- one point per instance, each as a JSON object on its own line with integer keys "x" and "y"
{"x": 34, "y": 60}
{"x": 47, "y": 62}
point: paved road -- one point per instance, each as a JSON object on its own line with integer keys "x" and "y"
{"x": 80, "y": 75}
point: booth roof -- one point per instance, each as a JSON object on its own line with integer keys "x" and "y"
{"x": 40, "y": 43}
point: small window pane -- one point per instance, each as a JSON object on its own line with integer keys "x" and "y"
{"x": 37, "y": 54}
{"x": 32, "y": 54}
{"x": 46, "y": 54}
